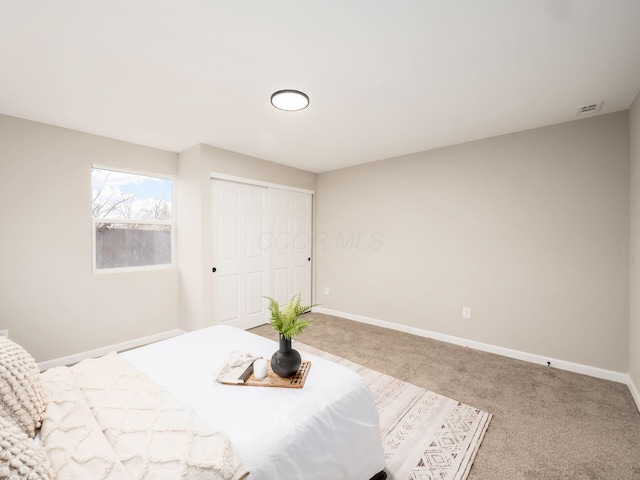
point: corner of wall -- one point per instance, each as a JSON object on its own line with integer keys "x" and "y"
{"x": 634, "y": 254}
{"x": 189, "y": 238}
{"x": 635, "y": 393}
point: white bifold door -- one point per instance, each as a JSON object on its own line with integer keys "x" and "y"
{"x": 261, "y": 247}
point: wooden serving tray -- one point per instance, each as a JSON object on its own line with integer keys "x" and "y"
{"x": 273, "y": 380}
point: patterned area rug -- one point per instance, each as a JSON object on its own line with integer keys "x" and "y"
{"x": 425, "y": 436}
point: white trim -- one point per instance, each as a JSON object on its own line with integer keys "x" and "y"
{"x": 132, "y": 221}
{"x": 141, "y": 268}
{"x": 634, "y": 391}
{"x": 259, "y": 183}
{"x": 98, "y": 352}
{"x": 143, "y": 173}
{"x": 505, "y": 352}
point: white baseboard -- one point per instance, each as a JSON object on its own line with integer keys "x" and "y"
{"x": 98, "y": 352}
{"x": 485, "y": 347}
{"x": 634, "y": 391}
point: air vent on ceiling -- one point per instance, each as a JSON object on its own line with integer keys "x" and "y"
{"x": 589, "y": 109}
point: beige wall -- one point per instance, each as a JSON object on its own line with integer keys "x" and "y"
{"x": 50, "y": 300}
{"x": 530, "y": 230}
{"x": 194, "y": 219}
{"x": 634, "y": 330}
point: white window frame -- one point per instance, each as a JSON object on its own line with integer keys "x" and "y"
{"x": 172, "y": 224}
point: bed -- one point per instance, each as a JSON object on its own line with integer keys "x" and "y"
{"x": 327, "y": 430}
{"x": 156, "y": 413}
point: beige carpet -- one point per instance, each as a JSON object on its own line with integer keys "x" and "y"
{"x": 426, "y": 436}
{"x": 548, "y": 424}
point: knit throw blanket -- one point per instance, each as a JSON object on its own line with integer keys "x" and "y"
{"x": 21, "y": 397}
{"x": 106, "y": 420}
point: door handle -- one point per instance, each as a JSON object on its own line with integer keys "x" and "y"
{"x": 214, "y": 269}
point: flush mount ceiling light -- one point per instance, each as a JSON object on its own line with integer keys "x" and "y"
{"x": 289, "y": 100}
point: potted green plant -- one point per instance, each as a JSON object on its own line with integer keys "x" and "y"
{"x": 286, "y": 361}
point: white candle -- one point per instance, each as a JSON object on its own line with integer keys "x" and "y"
{"x": 260, "y": 368}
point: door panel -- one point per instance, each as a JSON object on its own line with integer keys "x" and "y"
{"x": 280, "y": 285}
{"x": 241, "y": 261}
{"x": 255, "y": 289}
{"x": 290, "y": 214}
{"x": 228, "y": 288}
{"x": 255, "y": 234}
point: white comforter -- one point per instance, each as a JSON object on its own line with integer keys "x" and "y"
{"x": 107, "y": 421}
{"x": 327, "y": 430}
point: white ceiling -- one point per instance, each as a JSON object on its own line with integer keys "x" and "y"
{"x": 385, "y": 78}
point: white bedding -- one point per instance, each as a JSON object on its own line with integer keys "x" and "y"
{"x": 327, "y": 430}
{"x": 106, "y": 420}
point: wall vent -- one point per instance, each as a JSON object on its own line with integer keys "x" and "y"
{"x": 589, "y": 109}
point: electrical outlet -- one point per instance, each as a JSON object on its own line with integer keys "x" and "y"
{"x": 4, "y": 333}
{"x": 466, "y": 312}
{"x": 327, "y": 291}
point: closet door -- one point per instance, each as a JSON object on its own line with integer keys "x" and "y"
{"x": 240, "y": 253}
{"x": 291, "y": 238}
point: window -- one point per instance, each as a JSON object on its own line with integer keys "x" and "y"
{"x": 133, "y": 220}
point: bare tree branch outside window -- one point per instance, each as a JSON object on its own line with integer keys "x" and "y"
{"x": 133, "y": 219}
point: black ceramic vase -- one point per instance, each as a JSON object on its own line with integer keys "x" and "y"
{"x": 286, "y": 361}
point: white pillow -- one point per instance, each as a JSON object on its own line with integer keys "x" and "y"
{"x": 22, "y": 398}
{"x": 20, "y": 458}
